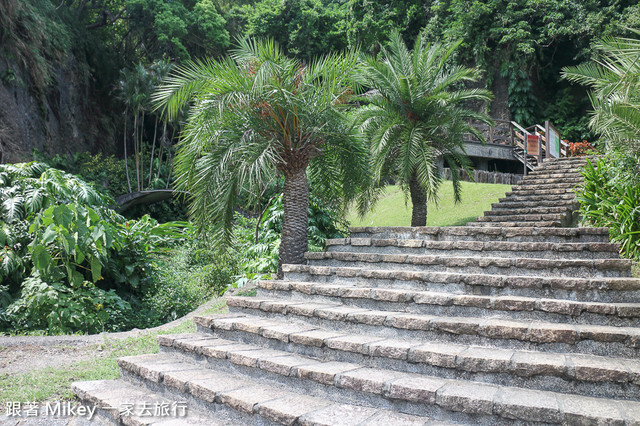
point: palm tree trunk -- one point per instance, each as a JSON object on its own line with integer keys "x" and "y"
{"x": 136, "y": 150}
{"x": 294, "y": 241}
{"x": 126, "y": 159}
{"x": 419, "y": 201}
{"x": 153, "y": 150}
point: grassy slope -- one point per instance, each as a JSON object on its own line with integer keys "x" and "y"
{"x": 392, "y": 210}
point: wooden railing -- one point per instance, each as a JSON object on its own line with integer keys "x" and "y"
{"x": 532, "y": 141}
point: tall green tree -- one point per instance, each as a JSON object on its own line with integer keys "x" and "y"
{"x": 416, "y": 114}
{"x": 256, "y": 114}
{"x": 614, "y": 79}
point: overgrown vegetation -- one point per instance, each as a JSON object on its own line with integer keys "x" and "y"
{"x": 611, "y": 193}
{"x": 611, "y": 198}
{"x": 69, "y": 263}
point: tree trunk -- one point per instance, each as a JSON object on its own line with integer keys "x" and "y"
{"x": 294, "y": 241}
{"x": 153, "y": 151}
{"x": 126, "y": 159}
{"x": 419, "y": 201}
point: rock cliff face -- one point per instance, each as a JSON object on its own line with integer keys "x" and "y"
{"x": 64, "y": 119}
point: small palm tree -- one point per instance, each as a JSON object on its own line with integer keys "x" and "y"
{"x": 615, "y": 82}
{"x": 416, "y": 114}
{"x": 258, "y": 114}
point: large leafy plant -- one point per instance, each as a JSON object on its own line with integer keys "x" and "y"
{"x": 610, "y": 198}
{"x": 68, "y": 262}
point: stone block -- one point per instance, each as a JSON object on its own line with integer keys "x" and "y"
{"x": 370, "y": 380}
{"x": 325, "y": 372}
{"x": 314, "y": 337}
{"x": 467, "y": 397}
{"x": 342, "y": 414}
{"x": 245, "y": 399}
{"x": 415, "y": 388}
{"x": 437, "y": 354}
{"x": 390, "y": 348}
{"x": 288, "y": 409}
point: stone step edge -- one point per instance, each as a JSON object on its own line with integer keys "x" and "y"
{"x": 530, "y": 263}
{"x": 250, "y": 397}
{"x": 490, "y": 303}
{"x": 492, "y": 280}
{"x": 124, "y": 403}
{"x": 465, "y": 230}
{"x": 479, "y": 246}
{"x": 529, "y": 210}
{"x": 527, "y": 217}
{"x": 452, "y": 356}
{"x": 530, "y": 331}
{"x": 466, "y": 396}
{"x": 549, "y": 224}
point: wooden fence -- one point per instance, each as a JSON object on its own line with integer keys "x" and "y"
{"x": 482, "y": 176}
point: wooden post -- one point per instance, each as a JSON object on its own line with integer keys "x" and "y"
{"x": 540, "y": 149}
{"x": 546, "y": 135}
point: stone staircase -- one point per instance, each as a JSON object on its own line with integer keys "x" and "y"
{"x": 509, "y": 320}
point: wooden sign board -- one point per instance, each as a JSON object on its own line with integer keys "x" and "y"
{"x": 533, "y": 145}
{"x": 553, "y": 141}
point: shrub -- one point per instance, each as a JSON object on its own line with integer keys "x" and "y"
{"x": 69, "y": 263}
{"x": 579, "y": 149}
{"x": 610, "y": 198}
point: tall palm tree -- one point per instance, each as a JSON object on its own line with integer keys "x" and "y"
{"x": 257, "y": 114}
{"x": 615, "y": 82}
{"x": 417, "y": 114}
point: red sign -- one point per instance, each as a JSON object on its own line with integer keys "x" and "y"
{"x": 533, "y": 145}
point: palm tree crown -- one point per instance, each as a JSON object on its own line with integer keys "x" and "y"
{"x": 416, "y": 114}
{"x": 615, "y": 82}
{"x": 257, "y": 114}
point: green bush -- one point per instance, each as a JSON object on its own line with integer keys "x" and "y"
{"x": 610, "y": 198}
{"x": 69, "y": 263}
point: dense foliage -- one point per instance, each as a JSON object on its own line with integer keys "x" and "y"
{"x": 611, "y": 198}
{"x": 520, "y": 45}
{"x": 69, "y": 263}
{"x": 614, "y": 81}
{"x": 258, "y": 115}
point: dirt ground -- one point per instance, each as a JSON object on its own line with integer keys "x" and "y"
{"x": 20, "y": 354}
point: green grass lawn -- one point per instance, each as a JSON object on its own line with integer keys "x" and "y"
{"x": 392, "y": 210}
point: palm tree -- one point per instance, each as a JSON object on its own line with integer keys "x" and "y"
{"x": 257, "y": 114}
{"x": 416, "y": 114}
{"x": 615, "y": 82}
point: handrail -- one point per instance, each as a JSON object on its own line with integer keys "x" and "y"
{"x": 510, "y": 133}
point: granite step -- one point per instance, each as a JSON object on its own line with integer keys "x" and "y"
{"x": 538, "y": 185}
{"x": 497, "y": 332}
{"x": 554, "y": 178}
{"x": 496, "y": 233}
{"x": 537, "y": 210}
{"x": 448, "y": 399}
{"x": 511, "y": 197}
{"x": 525, "y": 224}
{"x": 256, "y": 399}
{"x": 122, "y": 403}
{"x": 619, "y": 290}
{"x": 454, "y": 304}
{"x": 545, "y": 192}
{"x": 558, "y": 168}
{"x": 501, "y": 206}
{"x": 586, "y": 375}
{"x": 550, "y": 174}
{"x": 475, "y": 248}
{"x": 531, "y": 217}
{"x": 475, "y": 265}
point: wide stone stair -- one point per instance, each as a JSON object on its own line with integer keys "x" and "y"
{"x": 509, "y": 321}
